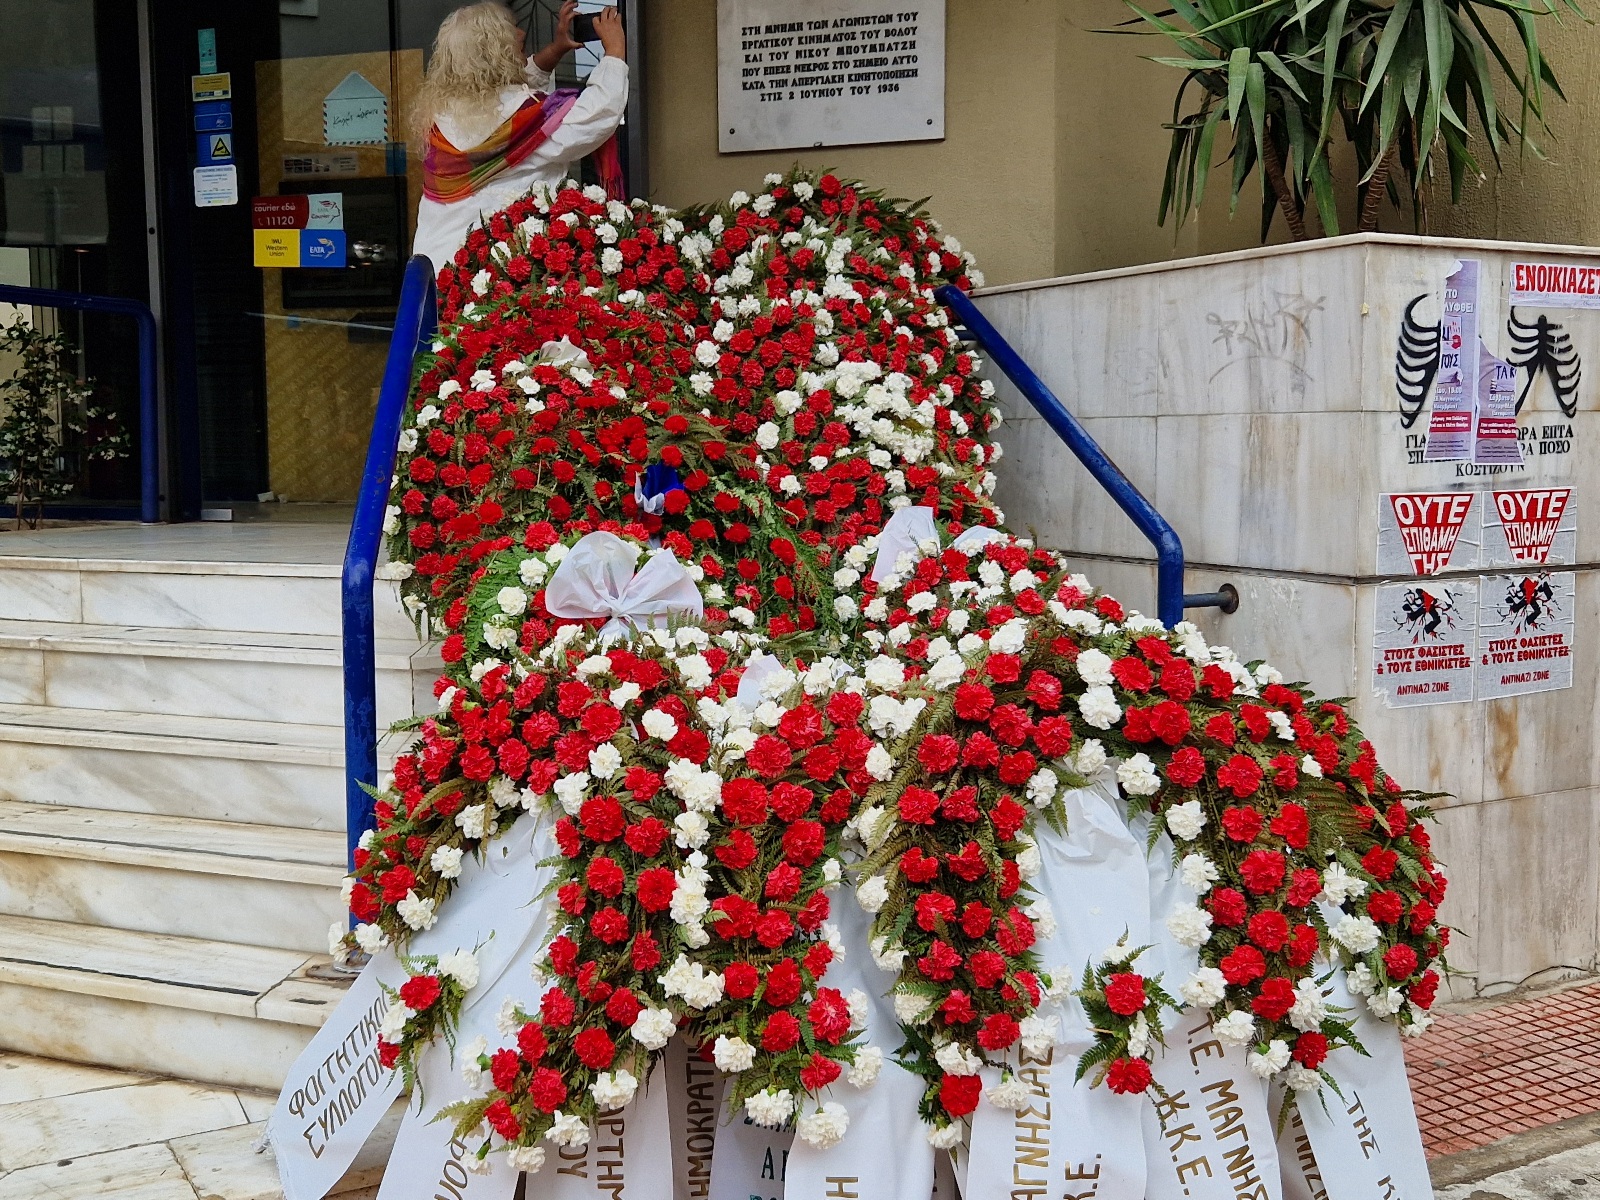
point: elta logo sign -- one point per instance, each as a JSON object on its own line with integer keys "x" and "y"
{"x": 1530, "y": 520}
{"x": 1430, "y": 523}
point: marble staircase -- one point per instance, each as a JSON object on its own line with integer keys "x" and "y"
{"x": 171, "y": 792}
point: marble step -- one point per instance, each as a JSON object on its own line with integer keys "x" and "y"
{"x": 258, "y": 884}
{"x": 267, "y": 597}
{"x": 244, "y": 675}
{"x": 211, "y": 768}
{"x": 217, "y": 1012}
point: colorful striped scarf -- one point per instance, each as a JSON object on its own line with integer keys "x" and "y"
{"x": 449, "y": 174}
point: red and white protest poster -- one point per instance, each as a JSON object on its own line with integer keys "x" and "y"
{"x": 1424, "y": 533}
{"x": 1529, "y": 527}
{"x": 1555, "y": 285}
{"x": 1525, "y": 631}
{"x": 1425, "y": 642}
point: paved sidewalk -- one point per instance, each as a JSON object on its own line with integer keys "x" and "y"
{"x": 1503, "y": 1068}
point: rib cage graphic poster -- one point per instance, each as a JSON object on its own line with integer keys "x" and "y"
{"x": 1425, "y": 641}
{"x": 1525, "y": 631}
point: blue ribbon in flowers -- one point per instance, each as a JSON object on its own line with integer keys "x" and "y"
{"x": 651, "y": 489}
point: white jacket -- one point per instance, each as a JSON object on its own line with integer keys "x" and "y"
{"x": 594, "y": 116}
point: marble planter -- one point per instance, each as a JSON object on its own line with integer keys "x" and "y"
{"x": 1253, "y": 398}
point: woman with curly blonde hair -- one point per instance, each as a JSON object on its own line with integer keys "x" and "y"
{"x": 492, "y": 127}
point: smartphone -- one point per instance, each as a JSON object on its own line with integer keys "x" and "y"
{"x": 583, "y": 28}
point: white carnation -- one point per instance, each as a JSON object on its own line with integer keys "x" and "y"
{"x": 569, "y": 1130}
{"x": 653, "y": 1028}
{"x": 1356, "y": 934}
{"x": 1099, "y": 707}
{"x": 1186, "y": 820}
{"x": 1138, "y": 776}
{"x": 447, "y": 861}
{"x": 1094, "y": 668}
{"x": 864, "y": 1071}
{"x": 1303, "y": 1080}
{"x": 1309, "y": 1006}
{"x": 1189, "y": 925}
{"x": 957, "y": 1060}
{"x": 1264, "y": 1064}
{"x": 1090, "y": 759}
{"x": 872, "y": 894}
{"x": 825, "y": 1127}
{"x": 770, "y": 1109}
{"x": 1236, "y": 1029}
{"x": 415, "y": 912}
{"x": 1197, "y": 873}
{"x": 909, "y": 1007}
{"x": 527, "y": 1159}
{"x": 733, "y": 1054}
{"x": 462, "y": 966}
{"x": 1010, "y": 1094}
{"x": 660, "y": 725}
{"x": 612, "y": 1090}
{"x": 1204, "y": 988}
{"x": 513, "y": 601}
{"x": 945, "y": 1137}
{"x": 1338, "y": 885}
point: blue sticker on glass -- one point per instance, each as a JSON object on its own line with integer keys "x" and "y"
{"x": 322, "y": 248}
{"x": 213, "y": 114}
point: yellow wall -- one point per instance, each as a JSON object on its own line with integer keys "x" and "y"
{"x": 1054, "y": 146}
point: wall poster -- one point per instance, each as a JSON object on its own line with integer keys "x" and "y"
{"x": 1425, "y": 642}
{"x": 1525, "y": 629}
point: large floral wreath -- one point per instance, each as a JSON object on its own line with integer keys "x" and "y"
{"x": 758, "y": 392}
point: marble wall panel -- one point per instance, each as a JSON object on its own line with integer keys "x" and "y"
{"x": 44, "y": 594}
{"x": 1264, "y": 334}
{"x": 21, "y": 676}
{"x": 1539, "y": 877}
{"x": 172, "y": 783}
{"x": 202, "y": 1046}
{"x": 184, "y": 600}
{"x": 1089, "y": 341}
{"x": 1458, "y": 846}
{"x": 1045, "y": 489}
{"x": 1304, "y": 627}
{"x": 224, "y": 908}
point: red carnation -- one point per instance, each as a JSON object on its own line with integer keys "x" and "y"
{"x": 1274, "y": 1000}
{"x": 1262, "y": 871}
{"x": 770, "y": 756}
{"x": 1010, "y": 724}
{"x": 602, "y": 819}
{"x": 655, "y": 888}
{"x": 744, "y": 801}
{"x": 1241, "y": 774}
{"x": 1303, "y": 946}
{"x": 1310, "y": 1050}
{"x": 1220, "y": 728}
{"x": 1242, "y": 824}
{"x": 1269, "y": 930}
{"x": 1187, "y": 767}
{"x": 505, "y": 1066}
{"x": 1227, "y": 905}
{"x": 1129, "y": 1076}
{"x": 829, "y": 1015}
{"x": 1217, "y": 681}
{"x": 819, "y": 1073}
{"x": 419, "y": 992}
{"x": 1125, "y": 994}
{"x": 939, "y": 753}
{"x": 1242, "y": 965}
{"x": 1007, "y": 816}
{"x": 783, "y": 984}
{"x": 1423, "y": 992}
{"x": 999, "y": 1031}
{"x": 1400, "y": 961}
{"x": 987, "y": 968}
{"x": 503, "y": 1121}
{"x": 959, "y": 1094}
{"x": 1293, "y": 825}
{"x": 547, "y": 1089}
{"x": 803, "y": 843}
{"x": 1177, "y": 680}
{"x": 605, "y": 876}
{"x": 774, "y": 928}
{"x": 1053, "y": 736}
{"x": 738, "y": 852}
{"x": 1386, "y": 907}
{"x": 610, "y": 926}
{"x": 1133, "y": 674}
{"x": 973, "y": 701}
{"x": 782, "y": 1033}
{"x": 1304, "y": 885}
{"x": 1380, "y": 863}
{"x": 918, "y": 806}
{"x": 594, "y": 1049}
{"x": 1169, "y": 721}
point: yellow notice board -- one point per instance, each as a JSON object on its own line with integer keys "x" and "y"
{"x": 277, "y": 247}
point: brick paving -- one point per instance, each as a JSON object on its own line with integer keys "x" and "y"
{"x": 1480, "y": 1076}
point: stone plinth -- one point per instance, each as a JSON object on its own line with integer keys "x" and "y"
{"x": 1252, "y": 397}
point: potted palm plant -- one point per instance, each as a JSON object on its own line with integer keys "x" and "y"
{"x": 1402, "y": 81}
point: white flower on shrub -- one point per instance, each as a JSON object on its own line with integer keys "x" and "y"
{"x": 733, "y": 1054}
{"x": 769, "y": 1108}
{"x": 474, "y": 820}
{"x": 1338, "y": 885}
{"x": 825, "y": 1127}
{"x": 1189, "y": 925}
{"x": 462, "y": 966}
{"x": 1309, "y": 1006}
{"x": 1356, "y": 934}
{"x": 1264, "y": 1064}
{"x": 513, "y": 601}
{"x": 1090, "y": 759}
{"x": 872, "y": 894}
{"x": 569, "y": 1130}
{"x": 955, "y": 1059}
{"x": 863, "y": 1073}
{"x": 416, "y": 913}
{"x": 1138, "y": 776}
{"x": 653, "y": 1028}
{"x": 446, "y": 860}
{"x": 1235, "y": 1029}
{"x": 1204, "y": 987}
{"x": 1099, "y": 707}
{"x": 1094, "y": 668}
{"x": 660, "y": 725}
{"x": 1197, "y": 873}
{"x": 1186, "y": 820}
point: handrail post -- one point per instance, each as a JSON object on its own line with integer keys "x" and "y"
{"x": 149, "y": 434}
{"x": 414, "y": 322}
{"x": 1161, "y": 535}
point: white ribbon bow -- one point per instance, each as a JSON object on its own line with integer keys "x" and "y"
{"x": 597, "y": 579}
{"x": 909, "y": 527}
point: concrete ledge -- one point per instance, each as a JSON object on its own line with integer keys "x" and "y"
{"x": 1518, "y": 1150}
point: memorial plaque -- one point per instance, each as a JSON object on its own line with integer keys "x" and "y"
{"x": 828, "y": 73}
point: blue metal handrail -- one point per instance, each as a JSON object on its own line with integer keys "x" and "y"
{"x": 149, "y": 436}
{"x": 1170, "y": 598}
{"x": 413, "y": 330}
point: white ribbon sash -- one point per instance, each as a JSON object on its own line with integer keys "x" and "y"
{"x": 626, "y": 1158}
{"x": 751, "y": 1161}
{"x": 1096, "y": 882}
{"x": 1366, "y": 1144}
{"x": 903, "y": 534}
{"x": 337, "y": 1091}
{"x": 502, "y": 895}
{"x": 694, "y": 1102}
{"x": 597, "y": 579}
{"x": 1211, "y": 1137}
{"x": 883, "y": 1115}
